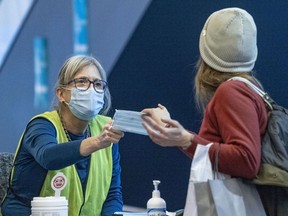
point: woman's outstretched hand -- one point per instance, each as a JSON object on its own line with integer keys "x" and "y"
{"x": 103, "y": 140}
{"x": 165, "y": 131}
{"x": 157, "y": 114}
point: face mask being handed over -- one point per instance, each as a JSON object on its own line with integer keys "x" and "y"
{"x": 87, "y": 104}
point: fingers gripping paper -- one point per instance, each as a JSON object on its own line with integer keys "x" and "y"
{"x": 128, "y": 121}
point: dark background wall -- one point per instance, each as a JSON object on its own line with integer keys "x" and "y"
{"x": 155, "y": 66}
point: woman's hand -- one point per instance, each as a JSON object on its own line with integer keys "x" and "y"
{"x": 104, "y": 140}
{"x": 174, "y": 135}
{"x": 157, "y": 114}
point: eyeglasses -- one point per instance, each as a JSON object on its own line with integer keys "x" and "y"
{"x": 83, "y": 84}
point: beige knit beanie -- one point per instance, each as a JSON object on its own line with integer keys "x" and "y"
{"x": 228, "y": 41}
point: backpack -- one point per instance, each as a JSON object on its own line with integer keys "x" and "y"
{"x": 274, "y": 150}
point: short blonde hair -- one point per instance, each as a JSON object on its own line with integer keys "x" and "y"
{"x": 75, "y": 64}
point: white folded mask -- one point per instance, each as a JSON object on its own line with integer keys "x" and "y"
{"x": 128, "y": 121}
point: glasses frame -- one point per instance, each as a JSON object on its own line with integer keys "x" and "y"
{"x": 104, "y": 83}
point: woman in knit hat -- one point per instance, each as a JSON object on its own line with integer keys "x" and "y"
{"x": 235, "y": 116}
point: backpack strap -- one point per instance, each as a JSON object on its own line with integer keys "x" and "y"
{"x": 267, "y": 99}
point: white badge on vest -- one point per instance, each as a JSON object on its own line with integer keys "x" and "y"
{"x": 58, "y": 183}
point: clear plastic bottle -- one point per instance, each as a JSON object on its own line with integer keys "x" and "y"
{"x": 156, "y": 206}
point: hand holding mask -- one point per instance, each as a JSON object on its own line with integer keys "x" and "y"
{"x": 157, "y": 114}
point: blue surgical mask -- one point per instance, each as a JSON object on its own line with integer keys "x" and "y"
{"x": 128, "y": 121}
{"x": 87, "y": 104}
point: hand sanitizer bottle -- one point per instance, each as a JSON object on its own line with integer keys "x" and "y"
{"x": 156, "y": 206}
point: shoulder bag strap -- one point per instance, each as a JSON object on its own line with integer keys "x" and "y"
{"x": 267, "y": 99}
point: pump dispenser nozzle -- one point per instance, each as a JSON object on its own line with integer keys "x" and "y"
{"x": 156, "y": 192}
{"x": 156, "y": 183}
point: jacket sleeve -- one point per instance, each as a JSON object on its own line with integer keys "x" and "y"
{"x": 234, "y": 120}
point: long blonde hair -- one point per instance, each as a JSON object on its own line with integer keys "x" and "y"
{"x": 207, "y": 80}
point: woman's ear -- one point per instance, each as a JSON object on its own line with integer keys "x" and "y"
{"x": 60, "y": 94}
